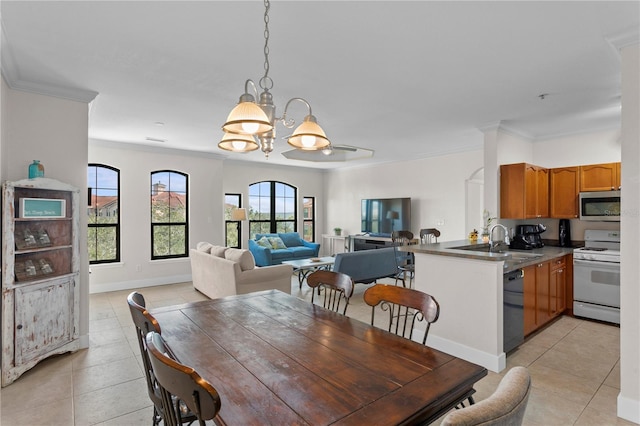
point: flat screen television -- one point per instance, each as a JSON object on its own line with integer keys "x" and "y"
{"x": 381, "y": 216}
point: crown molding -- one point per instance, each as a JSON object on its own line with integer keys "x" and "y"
{"x": 11, "y": 73}
{"x": 622, "y": 39}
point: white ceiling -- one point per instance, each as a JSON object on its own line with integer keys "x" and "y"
{"x": 406, "y": 79}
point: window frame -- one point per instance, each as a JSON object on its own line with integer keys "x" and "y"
{"x": 256, "y": 212}
{"x": 311, "y": 221}
{"x": 90, "y": 225}
{"x": 154, "y": 225}
{"x": 228, "y": 221}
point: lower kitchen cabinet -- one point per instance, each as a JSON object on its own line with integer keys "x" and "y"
{"x": 547, "y": 288}
{"x": 529, "y": 299}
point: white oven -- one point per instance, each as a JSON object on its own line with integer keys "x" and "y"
{"x": 596, "y": 277}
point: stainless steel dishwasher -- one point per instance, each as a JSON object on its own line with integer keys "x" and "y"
{"x": 513, "y": 314}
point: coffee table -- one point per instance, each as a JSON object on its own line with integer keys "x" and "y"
{"x": 306, "y": 266}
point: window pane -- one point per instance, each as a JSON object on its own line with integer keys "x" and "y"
{"x": 177, "y": 239}
{"x": 106, "y": 243}
{"x": 232, "y": 234}
{"x": 161, "y": 240}
{"x": 307, "y": 231}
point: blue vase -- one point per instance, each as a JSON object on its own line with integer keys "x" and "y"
{"x": 36, "y": 170}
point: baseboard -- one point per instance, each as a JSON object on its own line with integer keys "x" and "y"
{"x": 495, "y": 363}
{"x": 629, "y": 409}
{"x": 133, "y": 284}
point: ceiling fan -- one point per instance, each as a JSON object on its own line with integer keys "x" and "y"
{"x": 330, "y": 153}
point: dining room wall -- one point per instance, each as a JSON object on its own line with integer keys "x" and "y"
{"x": 135, "y": 162}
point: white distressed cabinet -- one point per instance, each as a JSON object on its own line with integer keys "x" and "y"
{"x": 40, "y": 272}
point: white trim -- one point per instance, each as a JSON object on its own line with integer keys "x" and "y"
{"x": 628, "y": 409}
{"x": 487, "y": 360}
{"x": 134, "y": 284}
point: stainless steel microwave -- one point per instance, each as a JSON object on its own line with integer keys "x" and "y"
{"x": 600, "y": 206}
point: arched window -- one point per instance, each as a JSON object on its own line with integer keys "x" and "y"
{"x": 272, "y": 208}
{"x": 103, "y": 213}
{"x": 169, "y": 214}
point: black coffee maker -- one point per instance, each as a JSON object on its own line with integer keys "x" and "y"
{"x": 528, "y": 237}
{"x": 564, "y": 233}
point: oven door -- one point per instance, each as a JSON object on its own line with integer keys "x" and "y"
{"x": 596, "y": 282}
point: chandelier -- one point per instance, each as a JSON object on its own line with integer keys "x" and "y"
{"x": 249, "y": 120}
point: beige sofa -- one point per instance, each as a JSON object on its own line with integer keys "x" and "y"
{"x": 221, "y": 271}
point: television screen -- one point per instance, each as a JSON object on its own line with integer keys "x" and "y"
{"x": 381, "y": 216}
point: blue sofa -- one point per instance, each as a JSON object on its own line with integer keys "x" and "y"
{"x": 367, "y": 266}
{"x": 296, "y": 248}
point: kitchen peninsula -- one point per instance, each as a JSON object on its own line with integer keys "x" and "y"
{"x": 467, "y": 281}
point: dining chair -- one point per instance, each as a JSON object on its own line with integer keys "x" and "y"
{"x": 336, "y": 286}
{"x": 181, "y": 387}
{"x": 429, "y": 235}
{"x": 506, "y": 406}
{"x": 144, "y": 323}
{"x": 405, "y": 306}
{"x": 404, "y": 260}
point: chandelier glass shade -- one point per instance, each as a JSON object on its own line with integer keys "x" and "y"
{"x": 309, "y": 136}
{"x": 250, "y": 118}
{"x": 236, "y": 142}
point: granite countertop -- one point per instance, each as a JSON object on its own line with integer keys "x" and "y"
{"x": 513, "y": 259}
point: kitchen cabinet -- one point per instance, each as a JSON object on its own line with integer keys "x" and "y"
{"x": 524, "y": 191}
{"x": 548, "y": 286}
{"x": 40, "y": 272}
{"x": 600, "y": 177}
{"x": 542, "y": 293}
{"x": 564, "y": 189}
{"x": 529, "y": 285}
{"x": 557, "y": 287}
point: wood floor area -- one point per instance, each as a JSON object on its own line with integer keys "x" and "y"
{"x": 574, "y": 366}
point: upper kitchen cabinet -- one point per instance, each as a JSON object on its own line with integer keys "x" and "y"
{"x": 564, "y": 184}
{"x": 600, "y": 177}
{"x": 524, "y": 191}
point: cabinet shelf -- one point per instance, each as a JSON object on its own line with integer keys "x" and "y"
{"x": 42, "y": 249}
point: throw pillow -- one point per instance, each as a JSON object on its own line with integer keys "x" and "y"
{"x": 204, "y": 247}
{"x": 264, "y": 242}
{"x": 277, "y": 243}
{"x": 241, "y": 256}
{"x": 218, "y": 251}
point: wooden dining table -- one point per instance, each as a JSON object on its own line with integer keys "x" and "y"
{"x": 276, "y": 359}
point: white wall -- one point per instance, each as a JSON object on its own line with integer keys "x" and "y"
{"x": 54, "y": 131}
{"x": 238, "y": 175}
{"x": 576, "y": 150}
{"x": 629, "y": 397}
{"x": 436, "y": 187}
{"x": 206, "y": 199}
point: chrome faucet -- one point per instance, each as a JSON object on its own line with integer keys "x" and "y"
{"x": 492, "y": 244}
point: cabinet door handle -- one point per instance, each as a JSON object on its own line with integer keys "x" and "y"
{"x": 19, "y": 327}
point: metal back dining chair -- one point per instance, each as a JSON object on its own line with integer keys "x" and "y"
{"x": 429, "y": 235}
{"x": 337, "y": 287}
{"x": 144, "y": 322}
{"x": 404, "y": 260}
{"x": 406, "y": 308}
{"x": 181, "y": 387}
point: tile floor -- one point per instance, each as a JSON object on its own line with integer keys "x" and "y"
{"x": 574, "y": 365}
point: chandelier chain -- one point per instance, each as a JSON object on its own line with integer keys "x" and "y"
{"x": 265, "y": 82}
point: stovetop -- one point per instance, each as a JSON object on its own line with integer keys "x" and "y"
{"x": 599, "y": 246}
